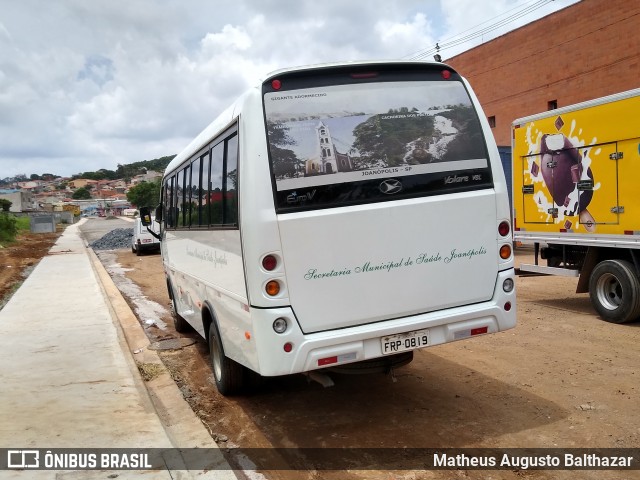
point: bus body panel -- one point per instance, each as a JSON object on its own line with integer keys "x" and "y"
{"x": 197, "y": 260}
{"x": 373, "y": 262}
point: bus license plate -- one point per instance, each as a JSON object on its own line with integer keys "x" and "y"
{"x": 404, "y": 342}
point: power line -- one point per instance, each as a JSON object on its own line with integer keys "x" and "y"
{"x": 457, "y": 40}
{"x": 471, "y": 28}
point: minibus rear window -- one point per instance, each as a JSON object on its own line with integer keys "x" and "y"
{"x": 335, "y": 142}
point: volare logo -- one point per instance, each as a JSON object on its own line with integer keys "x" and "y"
{"x": 390, "y": 186}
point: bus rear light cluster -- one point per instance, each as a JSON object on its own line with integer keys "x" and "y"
{"x": 504, "y": 229}
{"x": 507, "y": 285}
{"x": 505, "y": 251}
{"x": 280, "y": 325}
{"x": 269, "y": 263}
{"x": 272, "y": 288}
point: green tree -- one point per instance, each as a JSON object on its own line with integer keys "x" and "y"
{"x": 145, "y": 194}
{"x": 285, "y": 162}
{"x": 8, "y": 227}
{"x": 5, "y": 204}
{"x": 379, "y": 139}
{"x": 81, "y": 194}
{"x": 469, "y": 143}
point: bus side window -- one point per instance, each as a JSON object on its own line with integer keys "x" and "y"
{"x": 168, "y": 203}
{"x": 231, "y": 182}
{"x": 186, "y": 199}
{"x": 196, "y": 193}
{"x": 204, "y": 191}
{"x": 179, "y": 198}
{"x": 215, "y": 184}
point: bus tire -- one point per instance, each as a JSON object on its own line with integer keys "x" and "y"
{"x": 179, "y": 323}
{"x": 133, "y": 248}
{"x": 614, "y": 289}
{"x": 228, "y": 375}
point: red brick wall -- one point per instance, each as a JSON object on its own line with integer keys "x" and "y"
{"x": 582, "y": 52}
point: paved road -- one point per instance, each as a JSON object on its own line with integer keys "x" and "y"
{"x": 97, "y": 227}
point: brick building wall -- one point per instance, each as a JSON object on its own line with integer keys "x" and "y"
{"x": 585, "y": 51}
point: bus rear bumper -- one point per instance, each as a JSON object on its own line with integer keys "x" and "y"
{"x": 364, "y": 342}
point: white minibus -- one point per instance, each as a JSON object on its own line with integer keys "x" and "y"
{"x": 339, "y": 214}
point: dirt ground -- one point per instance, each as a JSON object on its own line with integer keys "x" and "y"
{"x": 20, "y": 257}
{"x": 562, "y": 378}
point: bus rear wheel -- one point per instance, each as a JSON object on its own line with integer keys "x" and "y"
{"x": 228, "y": 375}
{"x": 179, "y": 323}
{"x": 614, "y": 289}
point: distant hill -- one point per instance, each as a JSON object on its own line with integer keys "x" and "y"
{"x": 127, "y": 171}
{"x": 132, "y": 169}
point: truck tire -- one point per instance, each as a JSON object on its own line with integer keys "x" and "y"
{"x": 614, "y": 289}
{"x": 228, "y": 375}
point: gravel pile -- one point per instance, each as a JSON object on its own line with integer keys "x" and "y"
{"x": 114, "y": 240}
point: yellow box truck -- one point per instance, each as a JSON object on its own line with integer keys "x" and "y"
{"x": 576, "y": 198}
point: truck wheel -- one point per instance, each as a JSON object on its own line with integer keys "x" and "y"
{"x": 228, "y": 375}
{"x": 614, "y": 289}
{"x": 179, "y": 323}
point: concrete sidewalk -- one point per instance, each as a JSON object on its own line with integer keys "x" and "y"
{"x": 68, "y": 377}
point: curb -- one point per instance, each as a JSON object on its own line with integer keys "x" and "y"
{"x": 184, "y": 429}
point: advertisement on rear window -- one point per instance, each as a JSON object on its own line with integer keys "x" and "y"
{"x": 350, "y": 133}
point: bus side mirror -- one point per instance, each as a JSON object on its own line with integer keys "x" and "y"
{"x": 145, "y": 216}
{"x": 159, "y": 213}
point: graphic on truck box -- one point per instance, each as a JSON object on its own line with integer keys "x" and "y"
{"x": 575, "y": 198}
{"x": 560, "y": 167}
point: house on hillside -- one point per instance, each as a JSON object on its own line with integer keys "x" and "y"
{"x": 81, "y": 183}
{"x": 21, "y": 200}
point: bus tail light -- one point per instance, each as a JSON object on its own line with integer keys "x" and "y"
{"x": 505, "y": 251}
{"x": 504, "y": 228}
{"x": 269, "y": 263}
{"x": 272, "y": 288}
{"x": 279, "y": 325}
{"x": 276, "y": 84}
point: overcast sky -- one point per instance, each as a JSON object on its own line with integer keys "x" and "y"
{"x": 90, "y": 84}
